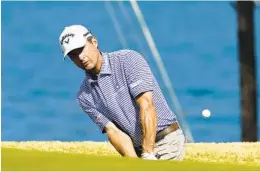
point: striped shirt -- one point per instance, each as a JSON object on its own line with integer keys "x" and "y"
{"x": 111, "y": 97}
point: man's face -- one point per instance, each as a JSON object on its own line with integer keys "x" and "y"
{"x": 86, "y": 57}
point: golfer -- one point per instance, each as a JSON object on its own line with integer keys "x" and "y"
{"x": 121, "y": 95}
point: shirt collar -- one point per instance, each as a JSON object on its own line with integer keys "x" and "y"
{"x": 105, "y": 67}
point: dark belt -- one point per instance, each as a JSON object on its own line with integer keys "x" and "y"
{"x": 171, "y": 128}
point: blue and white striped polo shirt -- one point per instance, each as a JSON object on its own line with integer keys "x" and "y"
{"x": 111, "y": 97}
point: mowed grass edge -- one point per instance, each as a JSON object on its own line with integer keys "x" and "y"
{"x": 16, "y": 159}
{"x": 243, "y": 153}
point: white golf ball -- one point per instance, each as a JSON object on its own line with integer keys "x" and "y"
{"x": 206, "y": 113}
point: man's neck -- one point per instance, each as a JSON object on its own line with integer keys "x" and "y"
{"x": 94, "y": 75}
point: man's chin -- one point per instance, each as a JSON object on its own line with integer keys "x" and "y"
{"x": 88, "y": 69}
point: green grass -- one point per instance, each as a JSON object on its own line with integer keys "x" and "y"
{"x": 17, "y": 159}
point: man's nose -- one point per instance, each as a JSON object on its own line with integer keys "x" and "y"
{"x": 81, "y": 56}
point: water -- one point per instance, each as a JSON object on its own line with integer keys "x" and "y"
{"x": 197, "y": 42}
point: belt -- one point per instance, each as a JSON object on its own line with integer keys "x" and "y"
{"x": 171, "y": 128}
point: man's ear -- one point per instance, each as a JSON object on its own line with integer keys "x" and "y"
{"x": 94, "y": 42}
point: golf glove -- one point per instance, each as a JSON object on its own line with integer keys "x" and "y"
{"x": 148, "y": 156}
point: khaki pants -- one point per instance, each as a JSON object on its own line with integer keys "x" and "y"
{"x": 171, "y": 147}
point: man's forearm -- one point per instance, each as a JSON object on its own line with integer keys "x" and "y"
{"x": 122, "y": 143}
{"x": 149, "y": 127}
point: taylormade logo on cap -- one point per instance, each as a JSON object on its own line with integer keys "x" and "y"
{"x": 73, "y": 37}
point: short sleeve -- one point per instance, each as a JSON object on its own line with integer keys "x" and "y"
{"x": 94, "y": 114}
{"x": 138, "y": 74}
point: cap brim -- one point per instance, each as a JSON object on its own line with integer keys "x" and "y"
{"x": 76, "y": 45}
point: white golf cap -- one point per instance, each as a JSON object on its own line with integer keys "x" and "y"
{"x": 73, "y": 37}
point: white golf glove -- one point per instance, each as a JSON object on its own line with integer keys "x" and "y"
{"x": 148, "y": 156}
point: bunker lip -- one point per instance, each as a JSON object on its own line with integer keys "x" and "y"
{"x": 246, "y": 153}
{"x": 27, "y": 160}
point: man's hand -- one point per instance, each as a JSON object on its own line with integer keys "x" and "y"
{"x": 148, "y": 156}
